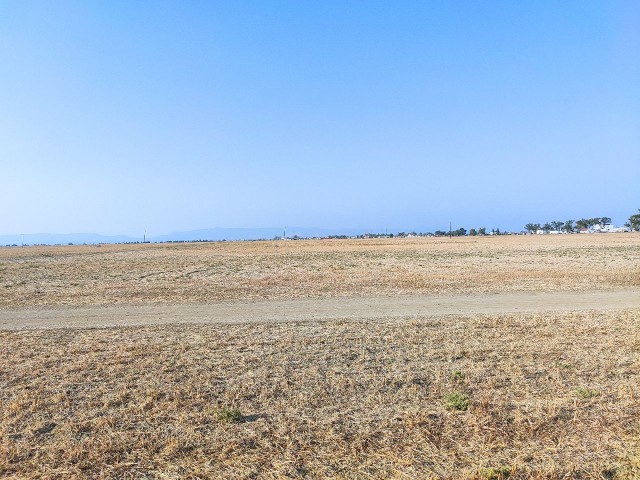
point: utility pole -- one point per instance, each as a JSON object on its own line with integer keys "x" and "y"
{"x": 449, "y": 230}
{"x": 22, "y": 244}
{"x": 285, "y": 233}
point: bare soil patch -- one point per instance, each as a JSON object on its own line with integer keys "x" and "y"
{"x": 277, "y": 310}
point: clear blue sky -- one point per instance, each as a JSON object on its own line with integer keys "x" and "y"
{"x": 116, "y": 116}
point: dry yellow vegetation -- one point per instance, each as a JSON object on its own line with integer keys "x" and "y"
{"x": 525, "y": 396}
{"x": 549, "y": 396}
{"x": 207, "y": 272}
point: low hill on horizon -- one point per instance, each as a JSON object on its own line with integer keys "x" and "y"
{"x": 211, "y": 234}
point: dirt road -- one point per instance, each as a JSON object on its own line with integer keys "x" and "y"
{"x": 317, "y": 309}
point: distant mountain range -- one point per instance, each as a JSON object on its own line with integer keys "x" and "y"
{"x": 213, "y": 234}
{"x": 63, "y": 239}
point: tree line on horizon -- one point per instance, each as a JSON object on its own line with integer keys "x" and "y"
{"x": 571, "y": 226}
{"x": 567, "y": 226}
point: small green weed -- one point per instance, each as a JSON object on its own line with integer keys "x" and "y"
{"x": 229, "y": 415}
{"x": 499, "y": 473}
{"x": 456, "y": 401}
{"x": 585, "y": 393}
{"x": 457, "y": 376}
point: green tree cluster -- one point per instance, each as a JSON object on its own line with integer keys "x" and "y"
{"x": 460, "y": 232}
{"x": 634, "y": 222}
{"x": 568, "y": 226}
{"x": 590, "y": 222}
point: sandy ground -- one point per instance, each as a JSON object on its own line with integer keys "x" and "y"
{"x": 363, "y": 308}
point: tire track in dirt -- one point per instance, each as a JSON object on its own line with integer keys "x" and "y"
{"x": 317, "y": 309}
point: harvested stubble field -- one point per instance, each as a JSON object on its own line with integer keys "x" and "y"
{"x": 209, "y": 272}
{"x": 550, "y": 396}
{"x": 545, "y": 395}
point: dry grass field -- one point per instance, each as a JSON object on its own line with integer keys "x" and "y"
{"x": 548, "y": 395}
{"x": 206, "y": 272}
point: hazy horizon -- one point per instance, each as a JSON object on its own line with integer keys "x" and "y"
{"x": 231, "y": 234}
{"x": 118, "y": 117}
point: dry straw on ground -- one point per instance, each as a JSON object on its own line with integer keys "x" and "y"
{"x": 175, "y": 273}
{"x": 541, "y": 396}
{"x": 326, "y": 400}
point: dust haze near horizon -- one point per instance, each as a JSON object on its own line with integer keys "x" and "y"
{"x": 117, "y": 117}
